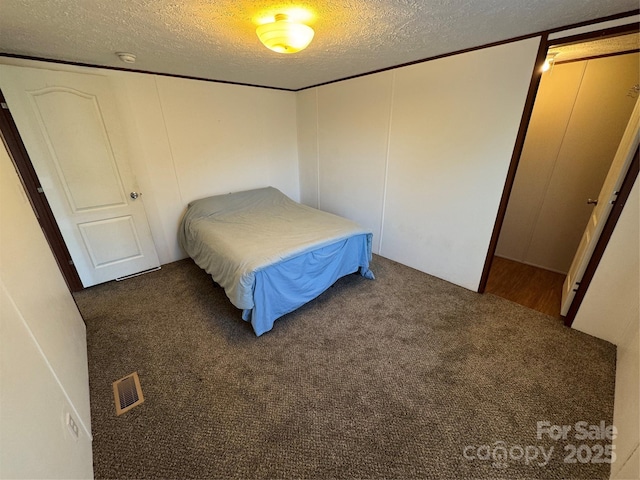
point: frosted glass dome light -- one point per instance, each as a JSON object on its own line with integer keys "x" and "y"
{"x": 284, "y": 36}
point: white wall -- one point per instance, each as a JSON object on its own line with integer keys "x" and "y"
{"x": 307, "y": 119}
{"x": 566, "y": 156}
{"x": 626, "y": 417}
{"x": 614, "y": 292}
{"x": 353, "y": 134}
{"x": 43, "y": 357}
{"x": 611, "y": 311}
{"x": 191, "y": 139}
{"x": 419, "y": 154}
{"x": 194, "y": 139}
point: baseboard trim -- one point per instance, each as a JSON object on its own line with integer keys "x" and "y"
{"x": 532, "y": 264}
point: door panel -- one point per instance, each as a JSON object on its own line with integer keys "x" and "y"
{"x": 606, "y": 199}
{"x": 71, "y": 129}
{"x": 89, "y": 180}
{"x": 120, "y": 233}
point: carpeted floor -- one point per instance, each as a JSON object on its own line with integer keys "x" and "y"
{"x": 407, "y": 376}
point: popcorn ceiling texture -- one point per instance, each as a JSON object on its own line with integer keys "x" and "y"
{"x": 604, "y": 46}
{"x": 216, "y": 39}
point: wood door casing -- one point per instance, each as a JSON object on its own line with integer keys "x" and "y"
{"x": 31, "y": 184}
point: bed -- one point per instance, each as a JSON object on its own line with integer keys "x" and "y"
{"x": 271, "y": 254}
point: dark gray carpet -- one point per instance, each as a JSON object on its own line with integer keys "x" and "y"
{"x": 390, "y": 378}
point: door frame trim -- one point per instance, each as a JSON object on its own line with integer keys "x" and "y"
{"x": 515, "y": 159}
{"x": 31, "y": 185}
{"x": 545, "y": 43}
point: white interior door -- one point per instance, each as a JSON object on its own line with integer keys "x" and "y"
{"x": 70, "y": 127}
{"x": 606, "y": 199}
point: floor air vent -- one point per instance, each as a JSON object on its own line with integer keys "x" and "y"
{"x": 127, "y": 393}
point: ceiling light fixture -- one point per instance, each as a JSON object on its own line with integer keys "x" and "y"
{"x": 549, "y": 61}
{"x": 126, "y": 57}
{"x": 285, "y": 36}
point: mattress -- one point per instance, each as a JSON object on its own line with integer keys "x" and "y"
{"x": 271, "y": 254}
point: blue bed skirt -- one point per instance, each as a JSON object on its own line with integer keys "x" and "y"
{"x": 282, "y": 287}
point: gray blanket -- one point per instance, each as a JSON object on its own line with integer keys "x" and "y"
{"x": 232, "y": 236}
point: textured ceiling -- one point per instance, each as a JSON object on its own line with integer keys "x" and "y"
{"x": 596, "y": 48}
{"x": 215, "y": 39}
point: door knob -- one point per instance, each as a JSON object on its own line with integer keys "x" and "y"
{"x": 589, "y": 202}
{"x": 134, "y": 195}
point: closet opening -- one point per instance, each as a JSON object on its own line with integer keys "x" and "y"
{"x": 584, "y": 103}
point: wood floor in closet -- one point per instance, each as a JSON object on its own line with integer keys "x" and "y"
{"x": 532, "y": 287}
